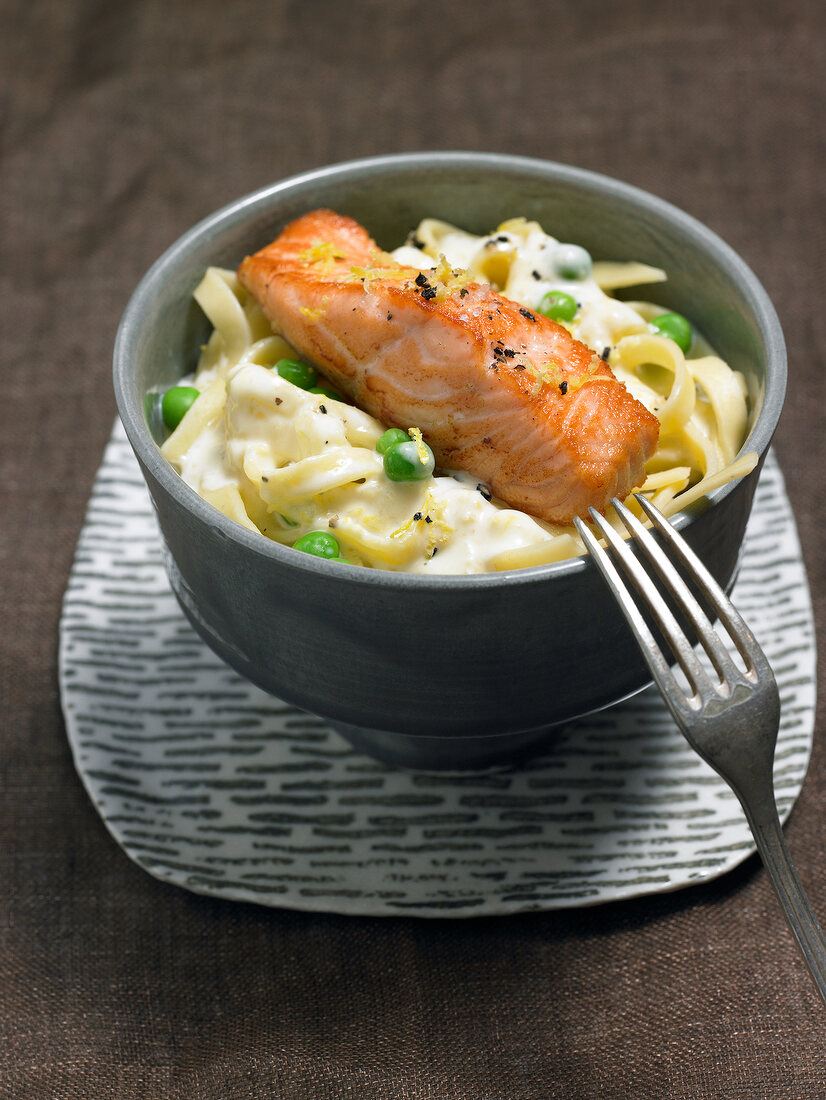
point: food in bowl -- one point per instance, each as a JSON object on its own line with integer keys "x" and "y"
{"x": 507, "y": 354}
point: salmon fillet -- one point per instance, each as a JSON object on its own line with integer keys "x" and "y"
{"x": 498, "y": 391}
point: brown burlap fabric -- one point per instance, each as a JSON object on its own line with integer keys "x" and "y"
{"x": 122, "y": 124}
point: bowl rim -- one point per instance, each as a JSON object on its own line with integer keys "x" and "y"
{"x": 237, "y": 211}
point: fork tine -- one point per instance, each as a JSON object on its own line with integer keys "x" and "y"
{"x": 739, "y": 632}
{"x": 690, "y": 607}
{"x": 657, "y": 663}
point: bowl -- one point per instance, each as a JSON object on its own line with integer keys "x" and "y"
{"x": 434, "y": 672}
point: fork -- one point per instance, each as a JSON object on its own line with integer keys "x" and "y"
{"x": 730, "y": 716}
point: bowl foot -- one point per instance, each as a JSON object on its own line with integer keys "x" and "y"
{"x": 446, "y": 754}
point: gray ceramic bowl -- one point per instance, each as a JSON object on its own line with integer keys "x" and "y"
{"x": 490, "y": 664}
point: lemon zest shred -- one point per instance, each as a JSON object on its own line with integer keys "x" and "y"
{"x": 321, "y": 252}
{"x": 313, "y": 313}
{"x": 400, "y": 532}
{"x": 421, "y": 448}
{"x": 438, "y": 530}
{"x": 368, "y": 275}
{"x": 552, "y": 374}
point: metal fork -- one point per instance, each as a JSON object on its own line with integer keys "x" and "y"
{"x": 730, "y": 716}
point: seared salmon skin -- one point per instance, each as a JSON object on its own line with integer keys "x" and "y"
{"x": 497, "y": 390}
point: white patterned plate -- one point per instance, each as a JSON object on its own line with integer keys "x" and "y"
{"x": 209, "y": 783}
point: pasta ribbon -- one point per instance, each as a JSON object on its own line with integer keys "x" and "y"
{"x": 227, "y": 499}
{"x": 632, "y": 352}
{"x": 205, "y": 410}
{"x": 218, "y": 296}
{"x": 309, "y": 477}
{"x": 617, "y": 276}
{"x": 725, "y": 392}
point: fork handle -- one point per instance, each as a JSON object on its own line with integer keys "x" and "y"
{"x": 771, "y": 844}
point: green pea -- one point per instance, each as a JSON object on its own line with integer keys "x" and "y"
{"x": 321, "y": 544}
{"x": 402, "y": 462}
{"x": 675, "y": 327}
{"x": 300, "y": 374}
{"x": 558, "y": 305}
{"x": 571, "y": 261}
{"x": 175, "y": 403}
{"x": 390, "y": 438}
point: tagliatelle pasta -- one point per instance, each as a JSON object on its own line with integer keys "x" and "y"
{"x": 285, "y": 461}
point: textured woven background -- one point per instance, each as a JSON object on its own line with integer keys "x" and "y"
{"x": 121, "y": 125}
